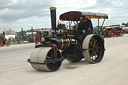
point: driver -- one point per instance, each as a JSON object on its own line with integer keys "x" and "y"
{"x": 84, "y": 28}
{"x": 89, "y": 23}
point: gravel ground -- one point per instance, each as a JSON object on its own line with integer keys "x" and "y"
{"x": 112, "y": 70}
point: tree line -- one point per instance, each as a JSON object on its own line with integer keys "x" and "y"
{"x": 126, "y": 24}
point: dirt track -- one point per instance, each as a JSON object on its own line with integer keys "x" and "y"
{"x": 112, "y": 70}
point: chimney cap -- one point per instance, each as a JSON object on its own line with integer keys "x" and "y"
{"x": 52, "y": 8}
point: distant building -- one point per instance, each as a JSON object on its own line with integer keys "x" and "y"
{"x": 10, "y": 34}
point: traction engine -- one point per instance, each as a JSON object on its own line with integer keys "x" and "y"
{"x": 61, "y": 43}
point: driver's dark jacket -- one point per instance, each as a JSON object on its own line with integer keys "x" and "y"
{"x": 82, "y": 26}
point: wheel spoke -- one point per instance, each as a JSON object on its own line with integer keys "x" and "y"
{"x": 97, "y": 47}
{"x": 95, "y": 42}
{"x": 95, "y": 54}
{"x": 97, "y": 51}
{"x": 91, "y": 49}
{"x": 92, "y": 54}
{"x": 91, "y": 43}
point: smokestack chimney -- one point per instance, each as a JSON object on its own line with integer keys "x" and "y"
{"x": 53, "y": 17}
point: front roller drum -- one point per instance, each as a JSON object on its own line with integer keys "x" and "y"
{"x": 43, "y": 54}
{"x": 93, "y": 48}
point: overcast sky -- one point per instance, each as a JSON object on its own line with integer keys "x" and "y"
{"x": 15, "y": 14}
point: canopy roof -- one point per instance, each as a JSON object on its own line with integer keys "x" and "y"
{"x": 77, "y": 15}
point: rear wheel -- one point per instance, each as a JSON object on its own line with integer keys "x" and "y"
{"x": 121, "y": 34}
{"x": 0, "y": 43}
{"x": 7, "y": 43}
{"x": 111, "y": 33}
{"x": 93, "y": 48}
{"x": 117, "y": 34}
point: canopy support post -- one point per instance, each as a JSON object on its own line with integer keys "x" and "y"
{"x": 102, "y": 25}
{"x": 98, "y": 27}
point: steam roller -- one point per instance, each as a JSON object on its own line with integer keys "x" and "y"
{"x": 3, "y": 40}
{"x": 72, "y": 44}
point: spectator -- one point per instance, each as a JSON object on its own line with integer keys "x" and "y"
{"x": 18, "y": 39}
